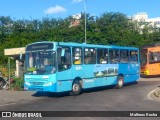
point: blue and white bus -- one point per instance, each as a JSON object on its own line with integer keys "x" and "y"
{"x": 59, "y": 66}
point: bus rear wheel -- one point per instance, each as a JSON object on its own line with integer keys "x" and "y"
{"x": 76, "y": 88}
{"x": 120, "y": 82}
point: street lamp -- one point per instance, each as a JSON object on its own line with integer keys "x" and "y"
{"x": 84, "y": 16}
{"x": 85, "y": 20}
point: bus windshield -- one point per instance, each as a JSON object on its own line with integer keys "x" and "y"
{"x": 40, "y": 62}
{"x": 154, "y": 57}
{"x": 143, "y": 57}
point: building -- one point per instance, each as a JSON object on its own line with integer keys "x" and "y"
{"x": 143, "y": 20}
{"x": 140, "y": 17}
{"x": 75, "y": 21}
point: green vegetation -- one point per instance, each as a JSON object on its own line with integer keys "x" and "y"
{"x": 17, "y": 84}
{"x": 108, "y": 29}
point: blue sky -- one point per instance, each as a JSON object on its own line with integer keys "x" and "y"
{"x": 36, "y": 9}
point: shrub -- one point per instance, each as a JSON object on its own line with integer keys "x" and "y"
{"x": 17, "y": 84}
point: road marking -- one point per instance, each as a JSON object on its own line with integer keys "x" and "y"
{"x": 150, "y": 93}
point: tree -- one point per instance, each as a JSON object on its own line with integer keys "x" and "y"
{"x": 108, "y": 29}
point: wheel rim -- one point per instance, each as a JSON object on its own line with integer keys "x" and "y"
{"x": 75, "y": 87}
{"x": 120, "y": 82}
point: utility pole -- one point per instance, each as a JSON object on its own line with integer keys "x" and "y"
{"x": 9, "y": 71}
{"x": 85, "y": 20}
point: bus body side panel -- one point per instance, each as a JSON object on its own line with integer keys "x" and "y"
{"x": 92, "y": 75}
{"x": 100, "y": 81}
{"x": 135, "y": 68}
{"x": 110, "y": 80}
{"x": 129, "y": 71}
{"x": 64, "y": 80}
{"x": 100, "y": 75}
{"x": 97, "y": 75}
{"x": 154, "y": 69}
{"x": 125, "y": 70}
{"x": 88, "y": 76}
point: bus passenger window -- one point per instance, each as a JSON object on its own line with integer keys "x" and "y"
{"x": 114, "y": 56}
{"x": 154, "y": 57}
{"x": 102, "y": 56}
{"x": 77, "y": 56}
{"x": 89, "y": 56}
{"x": 124, "y": 56}
{"x": 133, "y": 57}
{"x": 64, "y": 62}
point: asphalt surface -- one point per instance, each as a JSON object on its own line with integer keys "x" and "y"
{"x": 8, "y": 97}
{"x": 135, "y": 97}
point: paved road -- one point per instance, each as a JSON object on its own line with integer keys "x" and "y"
{"x": 130, "y": 98}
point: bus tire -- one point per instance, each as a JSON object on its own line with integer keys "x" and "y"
{"x": 76, "y": 88}
{"x": 120, "y": 82}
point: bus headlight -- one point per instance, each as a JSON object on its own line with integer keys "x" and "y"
{"x": 48, "y": 84}
{"x": 27, "y": 83}
{"x": 147, "y": 72}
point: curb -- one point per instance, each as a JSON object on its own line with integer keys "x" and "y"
{"x": 157, "y": 93}
{"x": 154, "y": 95}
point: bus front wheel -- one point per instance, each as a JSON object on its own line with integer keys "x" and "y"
{"x": 120, "y": 82}
{"x": 76, "y": 88}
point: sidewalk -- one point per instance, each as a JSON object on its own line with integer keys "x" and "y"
{"x": 154, "y": 94}
{"x": 11, "y": 97}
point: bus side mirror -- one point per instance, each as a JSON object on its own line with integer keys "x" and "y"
{"x": 63, "y": 53}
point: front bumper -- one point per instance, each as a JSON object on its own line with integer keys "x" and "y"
{"x": 52, "y": 88}
{"x": 144, "y": 72}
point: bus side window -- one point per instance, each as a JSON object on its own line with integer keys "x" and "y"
{"x": 114, "y": 56}
{"x": 102, "y": 56}
{"x": 77, "y": 56}
{"x": 124, "y": 56}
{"x": 158, "y": 56}
{"x": 64, "y": 62}
{"x": 133, "y": 57}
{"x": 154, "y": 57}
{"x": 89, "y": 56}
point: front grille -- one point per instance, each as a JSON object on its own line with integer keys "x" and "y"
{"x": 38, "y": 79}
{"x": 37, "y": 83}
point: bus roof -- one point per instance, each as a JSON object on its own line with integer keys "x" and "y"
{"x": 94, "y": 45}
{"x": 72, "y": 44}
{"x": 152, "y": 45}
